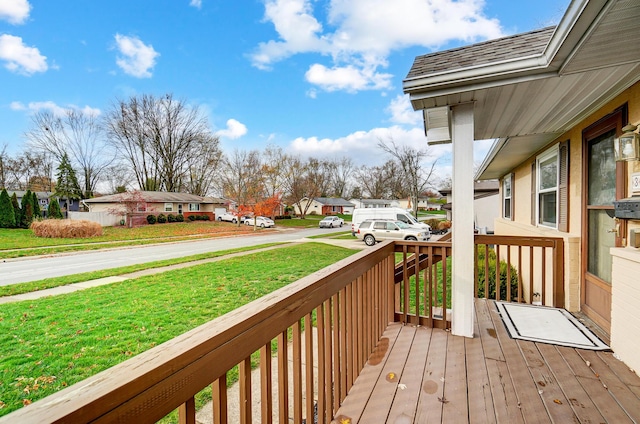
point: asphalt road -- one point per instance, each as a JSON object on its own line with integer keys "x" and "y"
{"x": 23, "y": 270}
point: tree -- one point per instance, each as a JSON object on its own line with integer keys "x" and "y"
{"x": 53, "y": 211}
{"x": 410, "y": 161}
{"x": 129, "y": 203}
{"x": 159, "y": 137}
{"x": 340, "y": 173}
{"x": 37, "y": 213}
{"x": 204, "y": 168}
{"x": 26, "y": 206}
{"x": 67, "y": 186}
{"x": 7, "y": 215}
{"x": 76, "y": 134}
{"x": 242, "y": 179}
{"x": 16, "y": 209}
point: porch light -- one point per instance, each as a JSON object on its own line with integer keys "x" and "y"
{"x": 627, "y": 146}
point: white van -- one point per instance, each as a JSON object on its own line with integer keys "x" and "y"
{"x": 397, "y": 214}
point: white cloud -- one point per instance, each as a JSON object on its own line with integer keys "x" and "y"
{"x": 235, "y": 129}
{"x": 14, "y": 11}
{"x": 136, "y": 58}
{"x": 349, "y": 78}
{"x": 364, "y": 33}
{"x": 20, "y": 58}
{"x": 53, "y": 107}
{"x": 402, "y": 113}
{"x": 196, "y": 3}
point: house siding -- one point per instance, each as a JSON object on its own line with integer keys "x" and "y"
{"x": 625, "y": 320}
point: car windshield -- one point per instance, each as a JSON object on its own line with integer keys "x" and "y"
{"x": 402, "y": 225}
{"x": 412, "y": 219}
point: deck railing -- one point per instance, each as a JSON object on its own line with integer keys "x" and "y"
{"x": 324, "y": 328}
{"x": 534, "y": 266}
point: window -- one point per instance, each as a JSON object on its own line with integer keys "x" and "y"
{"x": 141, "y": 207}
{"x": 168, "y": 207}
{"x": 507, "y": 196}
{"x": 547, "y": 188}
{"x": 380, "y": 225}
{"x": 194, "y": 207}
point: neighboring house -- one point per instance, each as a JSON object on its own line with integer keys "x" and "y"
{"x": 555, "y": 100}
{"x": 423, "y": 203}
{"x": 156, "y": 202}
{"x": 486, "y": 205}
{"x": 44, "y": 197}
{"x": 330, "y": 206}
{"x": 373, "y": 203}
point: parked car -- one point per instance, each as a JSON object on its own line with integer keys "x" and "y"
{"x": 260, "y": 221}
{"x": 396, "y": 214}
{"x": 228, "y": 217}
{"x": 374, "y": 230}
{"x": 331, "y": 221}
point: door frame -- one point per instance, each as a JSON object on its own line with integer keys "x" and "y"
{"x": 615, "y": 120}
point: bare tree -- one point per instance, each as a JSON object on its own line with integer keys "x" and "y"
{"x": 76, "y": 134}
{"x": 306, "y": 181}
{"x": 159, "y": 137}
{"x": 204, "y": 168}
{"x": 26, "y": 169}
{"x": 410, "y": 161}
{"x": 380, "y": 182}
{"x": 340, "y": 172}
{"x": 274, "y": 170}
{"x": 242, "y": 180}
{"x": 4, "y": 157}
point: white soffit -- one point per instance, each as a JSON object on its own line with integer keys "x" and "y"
{"x": 508, "y": 153}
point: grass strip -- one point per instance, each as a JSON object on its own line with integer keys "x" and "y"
{"x": 50, "y": 343}
{"x": 48, "y": 283}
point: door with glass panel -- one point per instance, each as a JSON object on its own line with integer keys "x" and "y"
{"x": 603, "y": 183}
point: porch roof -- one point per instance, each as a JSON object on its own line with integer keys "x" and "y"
{"x": 528, "y": 89}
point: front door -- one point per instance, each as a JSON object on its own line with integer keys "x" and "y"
{"x": 603, "y": 183}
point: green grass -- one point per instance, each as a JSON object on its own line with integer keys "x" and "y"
{"x": 20, "y": 242}
{"x": 48, "y": 283}
{"x": 50, "y": 343}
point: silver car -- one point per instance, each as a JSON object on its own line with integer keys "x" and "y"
{"x": 373, "y": 230}
{"x": 331, "y": 221}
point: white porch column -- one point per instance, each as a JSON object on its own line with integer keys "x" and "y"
{"x": 462, "y": 265}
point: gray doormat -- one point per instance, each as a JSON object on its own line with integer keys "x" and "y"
{"x": 547, "y": 325}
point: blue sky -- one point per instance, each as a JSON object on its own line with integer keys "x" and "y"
{"x": 316, "y": 77}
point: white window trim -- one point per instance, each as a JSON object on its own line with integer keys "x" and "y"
{"x": 554, "y": 151}
{"x": 168, "y": 207}
{"x": 506, "y": 210}
{"x": 194, "y": 207}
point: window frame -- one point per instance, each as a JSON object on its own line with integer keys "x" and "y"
{"x": 545, "y": 157}
{"x": 507, "y": 211}
{"x": 168, "y": 207}
{"x": 194, "y": 207}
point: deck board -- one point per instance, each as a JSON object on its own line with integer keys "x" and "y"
{"x": 489, "y": 379}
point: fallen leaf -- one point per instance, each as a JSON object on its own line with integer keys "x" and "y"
{"x": 558, "y": 401}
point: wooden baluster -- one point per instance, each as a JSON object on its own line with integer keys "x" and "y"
{"x": 219, "y": 396}
{"x": 266, "y": 384}
{"x": 245, "y": 391}
{"x": 187, "y": 412}
{"x": 283, "y": 378}
{"x": 297, "y": 372}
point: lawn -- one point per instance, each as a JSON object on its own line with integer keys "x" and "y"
{"x": 50, "y": 343}
{"x": 20, "y": 242}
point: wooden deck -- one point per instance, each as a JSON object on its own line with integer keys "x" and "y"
{"x": 425, "y": 375}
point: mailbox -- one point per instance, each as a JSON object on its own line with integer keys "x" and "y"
{"x": 628, "y": 208}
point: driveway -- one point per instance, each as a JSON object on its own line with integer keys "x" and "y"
{"x": 35, "y": 268}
